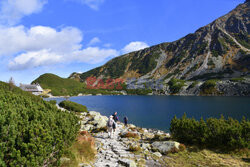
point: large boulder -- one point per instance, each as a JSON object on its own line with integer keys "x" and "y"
{"x": 165, "y": 146}
{"x": 100, "y": 121}
{"x": 94, "y": 113}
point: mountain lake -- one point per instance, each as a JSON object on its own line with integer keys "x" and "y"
{"x": 157, "y": 111}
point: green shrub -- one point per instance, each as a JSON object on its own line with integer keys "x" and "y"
{"x": 243, "y": 39}
{"x": 213, "y": 133}
{"x": 53, "y": 102}
{"x": 138, "y": 91}
{"x": 72, "y": 106}
{"x": 175, "y": 85}
{"x": 193, "y": 84}
{"x": 33, "y": 132}
{"x": 237, "y": 79}
{"x": 144, "y": 62}
{"x": 175, "y": 59}
{"x": 209, "y": 87}
{"x": 44, "y": 96}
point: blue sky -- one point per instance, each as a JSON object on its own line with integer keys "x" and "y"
{"x": 65, "y": 36}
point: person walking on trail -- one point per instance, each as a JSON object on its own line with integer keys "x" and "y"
{"x": 125, "y": 121}
{"x": 115, "y": 117}
{"x": 110, "y": 126}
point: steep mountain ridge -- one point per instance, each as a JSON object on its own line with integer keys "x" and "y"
{"x": 219, "y": 49}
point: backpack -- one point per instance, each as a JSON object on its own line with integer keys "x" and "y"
{"x": 110, "y": 123}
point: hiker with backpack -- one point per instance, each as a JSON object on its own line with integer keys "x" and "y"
{"x": 115, "y": 117}
{"x": 110, "y": 124}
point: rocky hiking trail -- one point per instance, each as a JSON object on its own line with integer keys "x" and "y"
{"x": 111, "y": 151}
{"x": 116, "y": 151}
{"x": 140, "y": 147}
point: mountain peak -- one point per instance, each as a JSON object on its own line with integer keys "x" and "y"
{"x": 219, "y": 50}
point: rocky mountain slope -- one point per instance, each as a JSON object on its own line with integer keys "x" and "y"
{"x": 218, "y": 50}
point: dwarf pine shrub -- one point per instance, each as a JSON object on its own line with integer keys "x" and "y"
{"x": 213, "y": 133}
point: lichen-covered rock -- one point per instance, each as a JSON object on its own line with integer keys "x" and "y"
{"x": 165, "y": 146}
{"x": 156, "y": 155}
{"x": 101, "y": 123}
{"x": 94, "y": 113}
{"x": 148, "y": 136}
{"x": 131, "y": 126}
{"x": 145, "y": 146}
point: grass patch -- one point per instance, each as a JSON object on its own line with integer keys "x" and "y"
{"x": 130, "y": 135}
{"x": 68, "y": 87}
{"x": 82, "y": 151}
{"x": 190, "y": 158}
{"x": 59, "y": 86}
{"x": 135, "y": 148}
{"x": 72, "y": 106}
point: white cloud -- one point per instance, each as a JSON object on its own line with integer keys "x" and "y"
{"x": 94, "y": 41}
{"x": 34, "y": 59}
{"x": 12, "y": 11}
{"x": 43, "y": 46}
{"x": 46, "y": 46}
{"x": 19, "y": 39}
{"x": 93, "y": 4}
{"x": 134, "y": 46}
{"x": 95, "y": 55}
{"x": 91, "y": 55}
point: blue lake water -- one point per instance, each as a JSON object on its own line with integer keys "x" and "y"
{"x": 157, "y": 111}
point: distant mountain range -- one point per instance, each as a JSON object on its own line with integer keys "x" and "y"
{"x": 219, "y": 50}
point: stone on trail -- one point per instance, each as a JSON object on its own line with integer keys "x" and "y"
{"x": 127, "y": 162}
{"x": 165, "y": 146}
{"x": 157, "y": 155}
{"x": 87, "y": 127}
